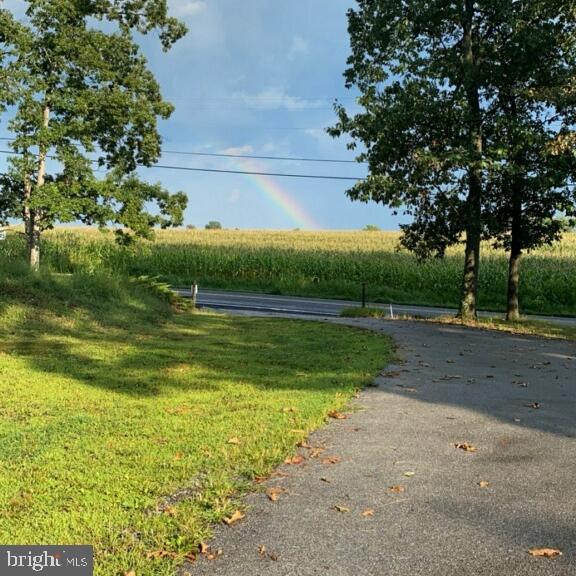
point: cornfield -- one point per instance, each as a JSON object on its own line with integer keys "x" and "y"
{"x": 328, "y": 264}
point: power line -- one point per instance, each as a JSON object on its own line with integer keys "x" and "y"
{"x": 288, "y": 158}
{"x": 244, "y": 172}
{"x": 249, "y": 156}
{"x": 249, "y": 172}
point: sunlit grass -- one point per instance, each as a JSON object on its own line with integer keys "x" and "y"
{"x": 111, "y": 405}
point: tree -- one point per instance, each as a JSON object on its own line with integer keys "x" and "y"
{"x": 532, "y": 125}
{"x": 468, "y": 122}
{"x": 416, "y": 65}
{"x": 213, "y": 225}
{"x": 83, "y": 98}
{"x": 371, "y": 228}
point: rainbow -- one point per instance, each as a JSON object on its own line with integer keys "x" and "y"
{"x": 280, "y": 197}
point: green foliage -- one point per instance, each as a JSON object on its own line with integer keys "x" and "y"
{"x": 82, "y": 98}
{"x": 371, "y": 228}
{"x": 323, "y": 264}
{"x": 213, "y": 225}
{"x": 113, "y": 405}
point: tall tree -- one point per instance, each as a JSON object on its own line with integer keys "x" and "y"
{"x": 417, "y": 67}
{"x": 532, "y": 125}
{"x": 81, "y": 97}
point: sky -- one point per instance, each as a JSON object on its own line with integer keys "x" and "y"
{"x": 259, "y": 78}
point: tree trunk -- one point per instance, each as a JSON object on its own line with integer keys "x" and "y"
{"x": 513, "y": 306}
{"x": 473, "y": 215}
{"x": 32, "y": 217}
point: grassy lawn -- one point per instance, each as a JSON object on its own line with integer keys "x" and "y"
{"x": 116, "y": 414}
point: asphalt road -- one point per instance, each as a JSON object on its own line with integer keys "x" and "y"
{"x": 512, "y": 398}
{"x": 254, "y": 302}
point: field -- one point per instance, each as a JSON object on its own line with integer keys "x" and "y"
{"x": 329, "y": 264}
{"x": 134, "y": 429}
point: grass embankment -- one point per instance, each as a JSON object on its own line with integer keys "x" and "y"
{"x": 323, "y": 264}
{"x": 525, "y": 327}
{"x": 117, "y": 415}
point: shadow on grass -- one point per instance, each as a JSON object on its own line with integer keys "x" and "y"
{"x": 112, "y": 341}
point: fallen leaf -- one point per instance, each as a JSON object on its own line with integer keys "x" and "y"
{"x": 409, "y": 474}
{"x": 483, "y": 483}
{"x": 337, "y": 415}
{"x": 234, "y": 518}
{"x": 534, "y": 405}
{"x": 324, "y": 479}
{"x": 169, "y": 511}
{"x": 214, "y": 555}
{"x": 315, "y": 452}
{"x": 295, "y": 460}
{"x": 273, "y": 556}
{"x": 466, "y": 446}
{"x": 289, "y": 409}
{"x": 341, "y": 508}
{"x": 397, "y": 489}
{"x": 234, "y": 440}
{"x": 261, "y": 550}
{"x": 191, "y": 557}
{"x": 203, "y": 548}
{"x": 130, "y": 573}
{"x": 331, "y": 460}
{"x": 545, "y": 552}
{"x": 368, "y": 512}
{"x": 159, "y": 554}
{"x": 303, "y": 444}
{"x": 274, "y": 493}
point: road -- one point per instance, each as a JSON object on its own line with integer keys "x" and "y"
{"x": 249, "y": 301}
{"x": 389, "y": 491}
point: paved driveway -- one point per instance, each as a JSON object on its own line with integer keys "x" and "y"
{"x": 512, "y": 398}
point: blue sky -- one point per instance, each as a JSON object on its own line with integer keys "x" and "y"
{"x": 259, "y": 77}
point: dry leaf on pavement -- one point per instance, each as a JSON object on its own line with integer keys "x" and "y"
{"x": 234, "y": 518}
{"x": 368, "y": 512}
{"x": 294, "y": 460}
{"x": 274, "y": 493}
{"x": 214, "y": 555}
{"x": 337, "y": 415}
{"x": 483, "y": 483}
{"x": 397, "y": 489}
{"x": 409, "y": 474}
{"x": 545, "y": 552}
{"x": 341, "y": 508}
{"x": 466, "y": 446}
{"x": 331, "y": 460}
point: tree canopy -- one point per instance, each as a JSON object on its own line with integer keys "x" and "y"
{"x": 79, "y": 99}
{"x": 467, "y": 120}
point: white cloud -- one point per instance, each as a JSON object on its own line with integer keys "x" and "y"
{"x": 185, "y": 8}
{"x": 299, "y": 47}
{"x": 275, "y": 99}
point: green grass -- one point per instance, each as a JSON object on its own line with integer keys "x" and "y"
{"x": 323, "y": 264}
{"x": 112, "y": 405}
